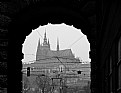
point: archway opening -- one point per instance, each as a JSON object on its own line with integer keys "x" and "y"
{"x": 32, "y": 18}
{"x": 61, "y": 51}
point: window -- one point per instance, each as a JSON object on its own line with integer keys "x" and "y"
{"x": 119, "y": 63}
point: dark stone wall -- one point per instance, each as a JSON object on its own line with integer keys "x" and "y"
{"x": 108, "y": 47}
{"x": 19, "y": 17}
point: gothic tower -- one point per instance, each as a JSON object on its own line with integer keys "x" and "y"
{"x": 45, "y": 40}
{"x": 43, "y": 48}
{"x": 38, "y": 50}
{"x": 46, "y": 44}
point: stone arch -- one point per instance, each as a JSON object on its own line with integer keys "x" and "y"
{"x": 31, "y": 18}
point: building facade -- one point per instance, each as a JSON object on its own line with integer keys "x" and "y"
{"x": 50, "y": 59}
{"x": 57, "y": 65}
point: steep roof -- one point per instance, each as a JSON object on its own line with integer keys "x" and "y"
{"x": 60, "y": 53}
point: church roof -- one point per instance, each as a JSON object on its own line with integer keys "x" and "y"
{"x": 60, "y": 53}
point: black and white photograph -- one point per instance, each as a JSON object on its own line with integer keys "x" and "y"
{"x": 56, "y": 60}
{"x": 60, "y": 46}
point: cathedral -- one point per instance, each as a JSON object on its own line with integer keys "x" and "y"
{"x": 54, "y": 62}
{"x": 48, "y": 59}
{"x": 44, "y": 51}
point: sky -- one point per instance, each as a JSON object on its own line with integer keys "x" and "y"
{"x": 69, "y": 38}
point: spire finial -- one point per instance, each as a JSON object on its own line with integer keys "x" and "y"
{"x": 45, "y": 38}
{"x": 45, "y": 34}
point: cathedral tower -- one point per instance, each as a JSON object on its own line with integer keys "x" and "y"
{"x": 43, "y": 48}
{"x": 38, "y": 50}
{"x": 45, "y": 39}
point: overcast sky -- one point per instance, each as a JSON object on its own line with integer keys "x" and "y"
{"x": 69, "y": 38}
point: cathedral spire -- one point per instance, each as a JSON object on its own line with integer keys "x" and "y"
{"x": 45, "y": 35}
{"x": 38, "y": 49}
{"x": 57, "y": 44}
{"x": 45, "y": 38}
{"x": 48, "y": 44}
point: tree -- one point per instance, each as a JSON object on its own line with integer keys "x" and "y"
{"x": 26, "y": 84}
{"x": 44, "y": 83}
